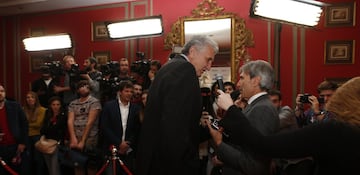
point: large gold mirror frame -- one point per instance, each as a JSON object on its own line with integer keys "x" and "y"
{"x": 226, "y": 28}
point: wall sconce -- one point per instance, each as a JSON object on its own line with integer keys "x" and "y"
{"x": 49, "y": 42}
{"x": 301, "y": 12}
{"x": 136, "y": 28}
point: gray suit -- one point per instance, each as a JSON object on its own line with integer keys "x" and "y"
{"x": 241, "y": 160}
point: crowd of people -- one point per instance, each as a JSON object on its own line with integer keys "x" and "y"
{"x": 83, "y": 110}
{"x": 162, "y": 122}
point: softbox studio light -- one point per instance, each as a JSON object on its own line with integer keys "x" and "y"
{"x": 136, "y": 28}
{"x": 48, "y": 42}
{"x": 299, "y": 12}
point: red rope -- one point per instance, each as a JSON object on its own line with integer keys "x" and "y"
{"x": 7, "y": 168}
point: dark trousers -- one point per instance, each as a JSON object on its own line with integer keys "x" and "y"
{"x": 7, "y": 154}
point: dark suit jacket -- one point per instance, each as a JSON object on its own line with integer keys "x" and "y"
{"x": 170, "y": 135}
{"x": 241, "y": 160}
{"x": 44, "y": 92}
{"x": 111, "y": 125}
{"x": 18, "y": 123}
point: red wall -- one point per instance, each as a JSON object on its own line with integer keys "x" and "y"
{"x": 77, "y": 22}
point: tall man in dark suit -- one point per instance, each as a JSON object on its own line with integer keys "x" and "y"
{"x": 256, "y": 78}
{"x": 170, "y": 134}
{"x": 120, "y": 124}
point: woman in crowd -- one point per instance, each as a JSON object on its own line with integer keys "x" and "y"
{"x": 55, "y": 127}
{"x": 333, "y": 144}
{"x": 35, "y": 115}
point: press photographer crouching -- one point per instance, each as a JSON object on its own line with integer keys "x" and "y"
{"x": 311, "y": 109}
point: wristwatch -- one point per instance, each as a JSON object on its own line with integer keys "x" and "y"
{"x": 320, "y": 113}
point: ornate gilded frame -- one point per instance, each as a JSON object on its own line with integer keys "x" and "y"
{"x": 241, "y": 37}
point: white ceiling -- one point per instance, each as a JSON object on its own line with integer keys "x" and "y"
{"x": 15, "y": 7}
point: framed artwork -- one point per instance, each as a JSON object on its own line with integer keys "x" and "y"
{"x": 340, "y": 15}
{"x": 36, "y": 61}
{"x": 102, "y": 56}
{"x": 339, "y": 52}
{"x": 36, "y": 32}
{"x": 99, "y": 31}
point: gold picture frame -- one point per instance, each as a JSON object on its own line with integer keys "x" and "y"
{"x": 340, "y": 52}
{"x": 340, "y": 14}
{"x": 237, "y": 36}
{"x": 99, "y": 31}
{"x": 102, "y": 56}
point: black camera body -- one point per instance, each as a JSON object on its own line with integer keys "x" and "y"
{"x": 215, "y": 124}
{"x": 305, "y": 99}
{"x": 54, "y": 68}
{"x": 112, "y": 67}
{"x": 141, "y": 66}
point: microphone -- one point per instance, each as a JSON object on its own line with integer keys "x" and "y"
{"x": 219, "y": 80}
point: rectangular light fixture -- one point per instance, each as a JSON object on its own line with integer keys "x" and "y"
{"x": 49, "y": 42}
{"x": 136, "y": 28}
{"x": 299, "y": 12}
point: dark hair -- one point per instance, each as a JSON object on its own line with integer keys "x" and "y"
{"x": 54, "y": 98}
{"x": 83, "y": 83}
{"x": 156, "y": 63}
{"x": 273, "y": 92}
{"x": 229, "y": 83}
{"x": 125, "y": 84}
{"x": 327, "y": 85}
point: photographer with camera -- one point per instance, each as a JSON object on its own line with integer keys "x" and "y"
{"x": 44, "y": 86}
{"x": 109, "y": 81}
{"x": 92, "y": 75}
{"x": 316, "y": 111}
{"x": 143, "y": 70}
{"x": 68, "y": 89}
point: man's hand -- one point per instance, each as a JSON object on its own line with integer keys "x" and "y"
{"x": 215, "y": 134}
{"x": 224, "y": 100}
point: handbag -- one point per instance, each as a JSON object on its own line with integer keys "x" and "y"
{"x": 71, "y": 158}
{"x": 46, "y": 146}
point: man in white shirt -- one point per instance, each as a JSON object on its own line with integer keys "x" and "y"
{"x": 120, "y": 125}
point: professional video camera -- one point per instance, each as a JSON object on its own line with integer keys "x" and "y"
{"x": 110, "y": 68}
{"x": 141, "y": 66}
{"x": 54, "y": 68}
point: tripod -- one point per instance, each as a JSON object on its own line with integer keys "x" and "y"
{"x": 113, "y": 159}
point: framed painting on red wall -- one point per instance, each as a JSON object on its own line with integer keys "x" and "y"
{"x": 99, "y": 31}
{"x": 340, "y": 15}
{"x": 36, "y": 62}
{"x": 102, "y": 56}
{"x": 340, "y": 52}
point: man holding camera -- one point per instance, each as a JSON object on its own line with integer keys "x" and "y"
{"x": 68, "y": 90}
{"x": 92, "y": 75}
{"x": 256, "y": 78}
{"x": 317, "y": 106}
